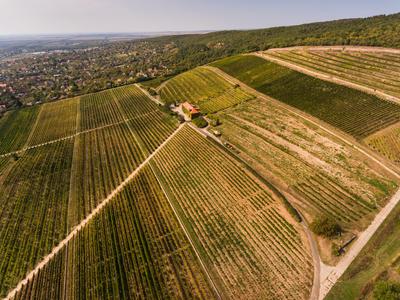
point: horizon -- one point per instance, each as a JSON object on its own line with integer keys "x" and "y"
{"x": 106, "y": 17}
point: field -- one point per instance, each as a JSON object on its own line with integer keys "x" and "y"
{"x": 99, "y": 110}
{"x": 46, "y": 190}
{"x": 376, "y": 70}
{"x": 134, "y": 249}
{"x": 204, "y": 88}
{"x": 15, "y": 128}
{"x": 387, "y": 142}
{"x": 352, "y": 111}
{"x": 33, "y": 209}
{"x": 249, "y": 242}
{"x": 325, "y": 175}
{"x": 378, "y": 261}
{"x": 56, "y": 120}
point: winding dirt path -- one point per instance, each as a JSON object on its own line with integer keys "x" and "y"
{"x": 312, "y": 120}
{"x": 328, "y": 275}
{"x": 85, "y": 221}
{"x": 324, "y": 76}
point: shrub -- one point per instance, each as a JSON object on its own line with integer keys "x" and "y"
{"x": 200, "y": 122}
{"x": 387, "y": 291}
{"x": 326, "y": 226}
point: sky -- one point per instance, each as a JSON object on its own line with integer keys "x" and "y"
{"x": 111, "y": 16}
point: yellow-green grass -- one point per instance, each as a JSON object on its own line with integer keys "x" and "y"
{"x": 379, "y": 260}
{"x": 203, "y": 87}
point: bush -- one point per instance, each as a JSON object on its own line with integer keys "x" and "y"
{"x": 326, "y": 226}
{"x": 214, "y": 120}
{"x": 387, "y": 291}
{"x": 200, "y": 122}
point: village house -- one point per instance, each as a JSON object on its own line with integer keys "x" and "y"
{"x": 190, "y": 110}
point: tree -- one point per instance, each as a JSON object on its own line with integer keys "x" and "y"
{"x": 385, "y": 290}
{"x": 326, "y": 226}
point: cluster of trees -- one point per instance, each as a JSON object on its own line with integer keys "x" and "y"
{"x": 117, "y": 63}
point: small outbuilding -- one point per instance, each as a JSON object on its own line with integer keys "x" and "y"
{"x": 190, "y": 110}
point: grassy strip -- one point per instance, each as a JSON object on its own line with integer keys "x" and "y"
{"x": 379, "y": 260}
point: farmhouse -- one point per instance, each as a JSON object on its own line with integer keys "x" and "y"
{"x": 190, "y": 110}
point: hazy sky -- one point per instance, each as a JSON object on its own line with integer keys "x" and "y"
{"x": 76, "y": 16}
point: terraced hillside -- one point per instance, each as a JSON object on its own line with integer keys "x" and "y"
{"x": 249, "y": 242}
{"x": 372, "y": 68}
{"x": 324, "y": 174}
{"x": 134, "y": 249}
{"x": 204, "y": 88}
{"x": 48, "y": 189}
{"x": 350, "y": 110}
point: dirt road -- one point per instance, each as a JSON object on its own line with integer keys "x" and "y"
{"x": 332, "y": 277}
{"x": 329, "y": 275}
{"x": 323, "y": 76}
{"x": 85, "y": 221}
{"x": 306, "y": 117}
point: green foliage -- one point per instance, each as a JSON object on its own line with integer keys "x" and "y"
{"x": 204, "y": 88}
{"x": 325, "y": 226}
{"x": 335, "y": 248}
{"x": 200, "y": 122}
{"x": 387, "y": 291}
{"x": 350, "y": 110}
{"x": 214, "y": 120}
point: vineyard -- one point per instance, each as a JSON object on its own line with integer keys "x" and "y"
{"x": 204, "y": 88}
{"x": 378, "y": 71}
{"x": 99, "y": 110}
{"x": 323, "y": 173}
{"x": 33, "y": 209}
{"x": 15, "y": 128}
{"x": 249, "y": 242}
{"x": 47, "y": 190}
{"x": 387, "y": 143}
{"x": 350, "y": 110}
{"x": 134, "y": 249}
{"x": 55, "y": 121}
{"x": 149, "y": 124}
{"x": 102, "y": 159}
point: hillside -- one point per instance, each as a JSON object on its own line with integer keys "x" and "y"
{"x": 72, "y": 72}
